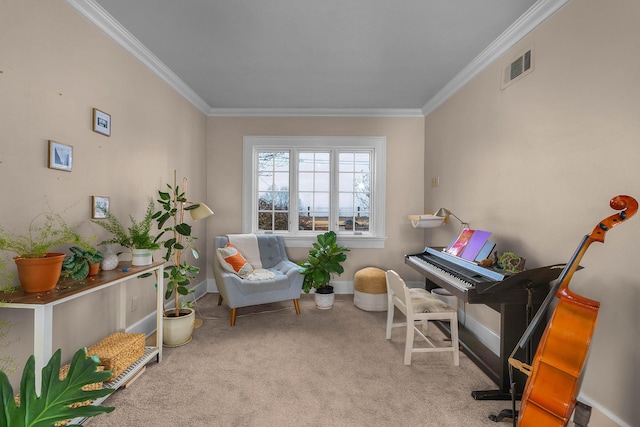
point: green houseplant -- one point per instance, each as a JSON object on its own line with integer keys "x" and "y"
{"x": 78, "y": 264}
{"x": 57, "y": 397}
{"x": 137, "y": 237}
{"x": 38, "y": 268}
{"x": 324, "y": 259}
{"x": 179, "y": 272}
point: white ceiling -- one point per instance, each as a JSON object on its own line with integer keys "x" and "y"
{"x": 308, "y": 54}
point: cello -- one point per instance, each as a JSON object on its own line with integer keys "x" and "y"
{"x": 555, "y": 374}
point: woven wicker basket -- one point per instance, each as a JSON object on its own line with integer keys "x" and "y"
{"x": 118, "y": 351}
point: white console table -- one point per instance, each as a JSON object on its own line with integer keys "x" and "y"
{"x": 42, "y": 304}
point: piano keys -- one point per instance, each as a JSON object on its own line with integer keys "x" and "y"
{"x": 515, "y": 296}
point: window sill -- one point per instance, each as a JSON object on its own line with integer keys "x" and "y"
{"x": 352, "y": 242}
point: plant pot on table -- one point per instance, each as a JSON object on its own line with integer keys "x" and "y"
{"x": 40, "y": 274}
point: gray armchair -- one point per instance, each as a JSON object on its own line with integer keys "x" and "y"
{"x": 239, "y": 292}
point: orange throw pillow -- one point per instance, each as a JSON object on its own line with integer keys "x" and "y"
{"x": 232, "y": 260}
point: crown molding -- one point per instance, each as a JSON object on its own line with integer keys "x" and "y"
{"x": 105, "y": 22}
{"x": 539, "y": 12}
{"x": 316, "y": 112}
{"x": 533, "y": 17}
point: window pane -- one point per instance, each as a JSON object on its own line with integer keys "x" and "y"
{"x": 305, "y": 221}
{"x": 361, "y": 182}
{"x": 362, "y": 162}
{"x": 273, "y": 187}
{"x": 322, "y": 222}
{"x": 314, "y": 186}
{"x": 321, "y": 202}
{"x": 323, "y": 162}
{"x": 265, "y": 221}
{"x": 345, "y": 203}
{"x": 265, "y": 201}
{"x": 281, "y": 181}
{"x": 305, "y": 201}
{"x": 265, "y": 180}
{"x": 281, "y": 201}
{"x": 322, "y": 182}
{"x": 346, "y": 162}
{"x": 362, "y": 202}
{"x": 305, "y": 181}
{"x": 362, "y": 221}
{"x": 281, "y": 161}
{"x": 281, "y": 221}
{"x": 346, "y": 182}
{"x": 305, "y": 162}
{"x": 265, "y": 159}
{"x": 354, "y": 191}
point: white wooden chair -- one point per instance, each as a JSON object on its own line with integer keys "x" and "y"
{"x": 419, "y": 305}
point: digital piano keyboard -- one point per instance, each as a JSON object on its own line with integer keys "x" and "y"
{"x": 508, "y": 294}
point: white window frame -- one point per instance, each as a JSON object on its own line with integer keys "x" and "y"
{"x": 374, "y": 238}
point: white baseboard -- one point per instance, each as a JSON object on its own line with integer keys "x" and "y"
{"x": 486, "y": 336}
{"x": 147, "y": 325}
{"x": 345, "y": 287}
{"x": 604, "y": 411}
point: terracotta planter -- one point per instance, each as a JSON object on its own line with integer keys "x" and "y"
{"x": 94, "y": 269}
{"x": 40, "y": 274}
{"x": 177, "y": 331}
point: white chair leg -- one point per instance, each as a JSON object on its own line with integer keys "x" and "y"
{"x": 408, "y": 344}
{"x": 390, "y": 311}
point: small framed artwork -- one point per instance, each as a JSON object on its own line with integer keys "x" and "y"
{"x": 101, "y": 122}
{"x": 60, "y": 156}
{"x": 99, "y": 207}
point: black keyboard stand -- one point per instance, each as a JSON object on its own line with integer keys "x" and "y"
{"x": 512, "y": 413}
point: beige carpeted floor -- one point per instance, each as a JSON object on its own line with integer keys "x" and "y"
{"x": 321, "y": 368}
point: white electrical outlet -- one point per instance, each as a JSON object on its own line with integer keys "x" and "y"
{"x": 134, "y": 304}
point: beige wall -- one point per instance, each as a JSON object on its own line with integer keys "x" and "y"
{"x": 537, "y": 163}
{"x": 56, "y": 66}
{"x": 404, "y": 180}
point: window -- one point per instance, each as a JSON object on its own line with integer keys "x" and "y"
{"x": 302, "y": 186}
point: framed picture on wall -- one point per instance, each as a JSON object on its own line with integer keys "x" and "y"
{"x": 60, "y": 156}
{"x": 99, "y": 207}
{"x": 101, "y": 122}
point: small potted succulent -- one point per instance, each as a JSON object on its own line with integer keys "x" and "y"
{"x": 38, "y": 268}
{"x": 325, "y": 258}
{"x": 84, "y": 261}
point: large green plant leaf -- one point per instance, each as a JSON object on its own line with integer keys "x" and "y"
{"x": 324, "y": 259}
{"x": 55, "y": 395}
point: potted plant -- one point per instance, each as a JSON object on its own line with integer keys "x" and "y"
{"x": 179, "y": 320}
{"x": 60, "y": 399}
{"x": 84, "y": 261}
{"x": 137, "y": 238}
{"x": 38, "y": 268}
{"x": 325, "y": 258}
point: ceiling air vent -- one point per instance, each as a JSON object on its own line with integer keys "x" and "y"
{"x": 518, "y": 68}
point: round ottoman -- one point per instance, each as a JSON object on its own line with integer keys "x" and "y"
{"x": 370, "y": 289}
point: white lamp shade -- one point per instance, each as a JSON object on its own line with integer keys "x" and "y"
{"x": 202, "y": 211}
{"x": 425, "y": 221}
